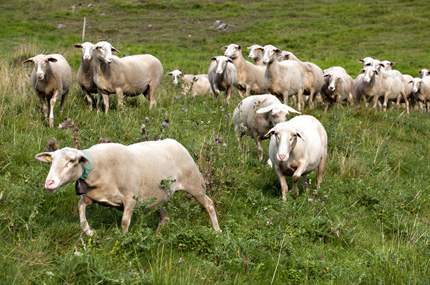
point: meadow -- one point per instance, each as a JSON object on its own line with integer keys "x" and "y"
{"x": 373, "y": 226}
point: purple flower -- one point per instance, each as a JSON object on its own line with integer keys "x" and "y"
{"x": 229, "y": 114}
{"x": 325, "y": 197}
{"x": 186, "y": 111}
{"x": 177, "y": 97}
{"x": 225, "y": 116}
{"x": 183, "y": 109}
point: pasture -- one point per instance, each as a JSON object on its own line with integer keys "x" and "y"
{"x": 369, "y": 223}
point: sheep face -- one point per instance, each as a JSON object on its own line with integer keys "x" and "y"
{"x": 41, "y": 64}
{"x": 68, "y": 165}
{"x": 423, "y": 73}
{"x": 270, "y": 53}
{"x": 387, "y": 64}
{"x": 103, "y": 51}
{"x": 232, "y": 51}
{"x": 176, "y": 74}
{"x": 369, "y": 74}
{"x": 333, "y": 81}
{"x": 285, "y": 138}
{"x": 86, "y": 48}
{"x": 221, "y": 63}
{"x": 416, "y": 84}
{"x": 255, "y": 52}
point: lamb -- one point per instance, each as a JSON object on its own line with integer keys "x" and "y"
{"x": 368, "y": 86}
{"x": 114, "y": 175}
{"x": 314, "y": 78}
{"x": 250, "y": 77}
{"x": 85, "y": 72}
{"x": 256, "y": 54}
{"x": 296, "y": 148}
{"x": 51, "y": 78}
{"x": 392, "y": 85}
{"x": 423, "y": 73}
{"x": 131, "y": 75}
{"x": 256, "y": 115}
{"x": 222, "y": 76}
{"x": 421, "y": 92}
{"x": 284, "y": 78}
{"x": 194, "y": 84}
{"x": 338, "y": 86}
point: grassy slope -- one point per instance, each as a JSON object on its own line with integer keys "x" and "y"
{"x": 376, "y": 178}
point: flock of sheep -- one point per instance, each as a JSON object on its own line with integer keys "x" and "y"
{"x": 123, "y": 176}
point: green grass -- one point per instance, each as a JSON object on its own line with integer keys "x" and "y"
{"x": 376, "y": 176}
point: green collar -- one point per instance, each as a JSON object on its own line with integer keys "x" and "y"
{"x": 87, "y": 168}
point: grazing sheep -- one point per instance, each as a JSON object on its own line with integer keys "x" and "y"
{"x": 392, "y": 86}
{"x": 85, "y": 72}
{"x": 256, "y": 54}
{"x": 338, "y": 86}
{"x": 423, "y": 73}
{"x": 256, "y": 115}
{"x": 314, "y": 79}
{"x": 421, "y": 92}
{"x": 296, "y": 148}
{"x": 284, "y": 78}
{"x": 368, "y": 86}
{"x": 222, "y": 76}
{"x": 250, "y": 77}
{"x": 51, "y": 78}
{"x": 131, "y": 75}
{"x": 113, "y": 175}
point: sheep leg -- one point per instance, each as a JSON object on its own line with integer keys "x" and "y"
{"x": 51, "y": 107}
{"x": 208, "y": 204}
{"x": 406, "y": 101}
{"x": 240, "y": 93}
{"x": 305, "y": 182}
{"x": 228, "y": 93}
{"x": 162, "y": 215}
{"x": 120, "y": 95}
{"x": 106, "y": 102}
{"x": 260, "y": 149}
{"x": 300, "y": 102}
{"x": 43, "y": 103}
{"x": 385, "y": 102}
{"x": 63, "y": 100}
{"x": 126, "y": 216}
{"x": 282, "y": 180}
{"x": 151, "y": 95}
{"x": 296, "y": 176}
{"x": 311, "y": 98}
{"x": 83, "y": 203}
{"x": 88, "y": 97}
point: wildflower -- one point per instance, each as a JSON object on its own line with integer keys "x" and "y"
{"x": 183, "y": 109}
{"x": 177, "y": 97}
{"x": 186, "y": 111}
{"x": 325, "y": 197}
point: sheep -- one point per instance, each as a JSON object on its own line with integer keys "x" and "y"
{"x": 392, "y": 85}
{"x": 85, "y": 72}
{"x": 313, "y": 80}
{"x": 131, "y": 75}
{"x": 250, "y": 77}
{"x": 256, "y": 115}
{"x": 421, "y": 92}
{"x": 119, "y": 176}
{"x": 284, "y": 78}
{"x": 222, "y": 76}
{"x": 256, "y": 54}
{"x": 423, "y": 73}
{"x": 369, "y": 61}
{"x": 193, "y": 84}
{"x": 296, "y": 148}
{"x": 338, "y": 86}
{"x": 51, "y": 78}
{"x": 408, "y": 90}
{"x": 368, "y": 85}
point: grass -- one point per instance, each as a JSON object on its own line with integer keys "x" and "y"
{"x": 376, "y": 177}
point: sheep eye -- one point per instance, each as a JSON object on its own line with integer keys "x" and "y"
{"x": 72, "y": 161}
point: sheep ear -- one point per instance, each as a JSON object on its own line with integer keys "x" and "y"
{"x": 170, "y": 73}
{"x": 376, "y": 72}
{"x": 239, "y": 47}
{"x": 224, "y": 47}
{"x": 270, "y": 133}
{"x": 326, "y": 75}
{"x": 360, "y": 60}
{"x": 114, "y": 50}
{"x": 290, "y": 110}
{"x": 248, "y": 47}
{"x": 52, "y": 59}
{"x": 278, "y": 51}
{"x": 28, "y": 61}
{"x": 213, "y": 58}
{"x": 299, "y": 134}
{"x": 362, "y": 71}
{"x": 77, "y": 46}
{"x": 410, "y": 82}
{"x": 264, "y": 110}
{"x": 230, "y": 60}
{"x": 44, "y": 156}
{"x": 392, "y": 63}
{"x": 195, "y": 79}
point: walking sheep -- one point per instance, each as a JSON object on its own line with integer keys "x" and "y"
{"x": 85, "y": 72}
{"x": 51, "y": 78}
{"x": 222, "y": 76}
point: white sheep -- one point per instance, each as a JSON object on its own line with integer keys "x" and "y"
{"x": 392, "y": 85}
{"x": 338, "y": 86}
{"x": 256, "y": 54}
{"x": 285, "y": 78}
{"x": 51, "y": 78}
{"x": 85, "y": 72}
{"x": 131, "y": 75}
{"x": 313, "y": 80}
{"x": 297, "y": 147}
{"x": 115, "y": 175}
{"x": 369, "y": 61}
{"x": 222, "y": 76}
{"x": 191, "y": 84}
{"x": 421, "y": 92}
{"x": 256, "y": 115}
{"x": 423, "y": 73}
{"x": 250, "y": 77}
{"x": 368, "y": 86}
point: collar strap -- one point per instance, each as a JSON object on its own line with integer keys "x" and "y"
{"x": 87, "y": 168}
